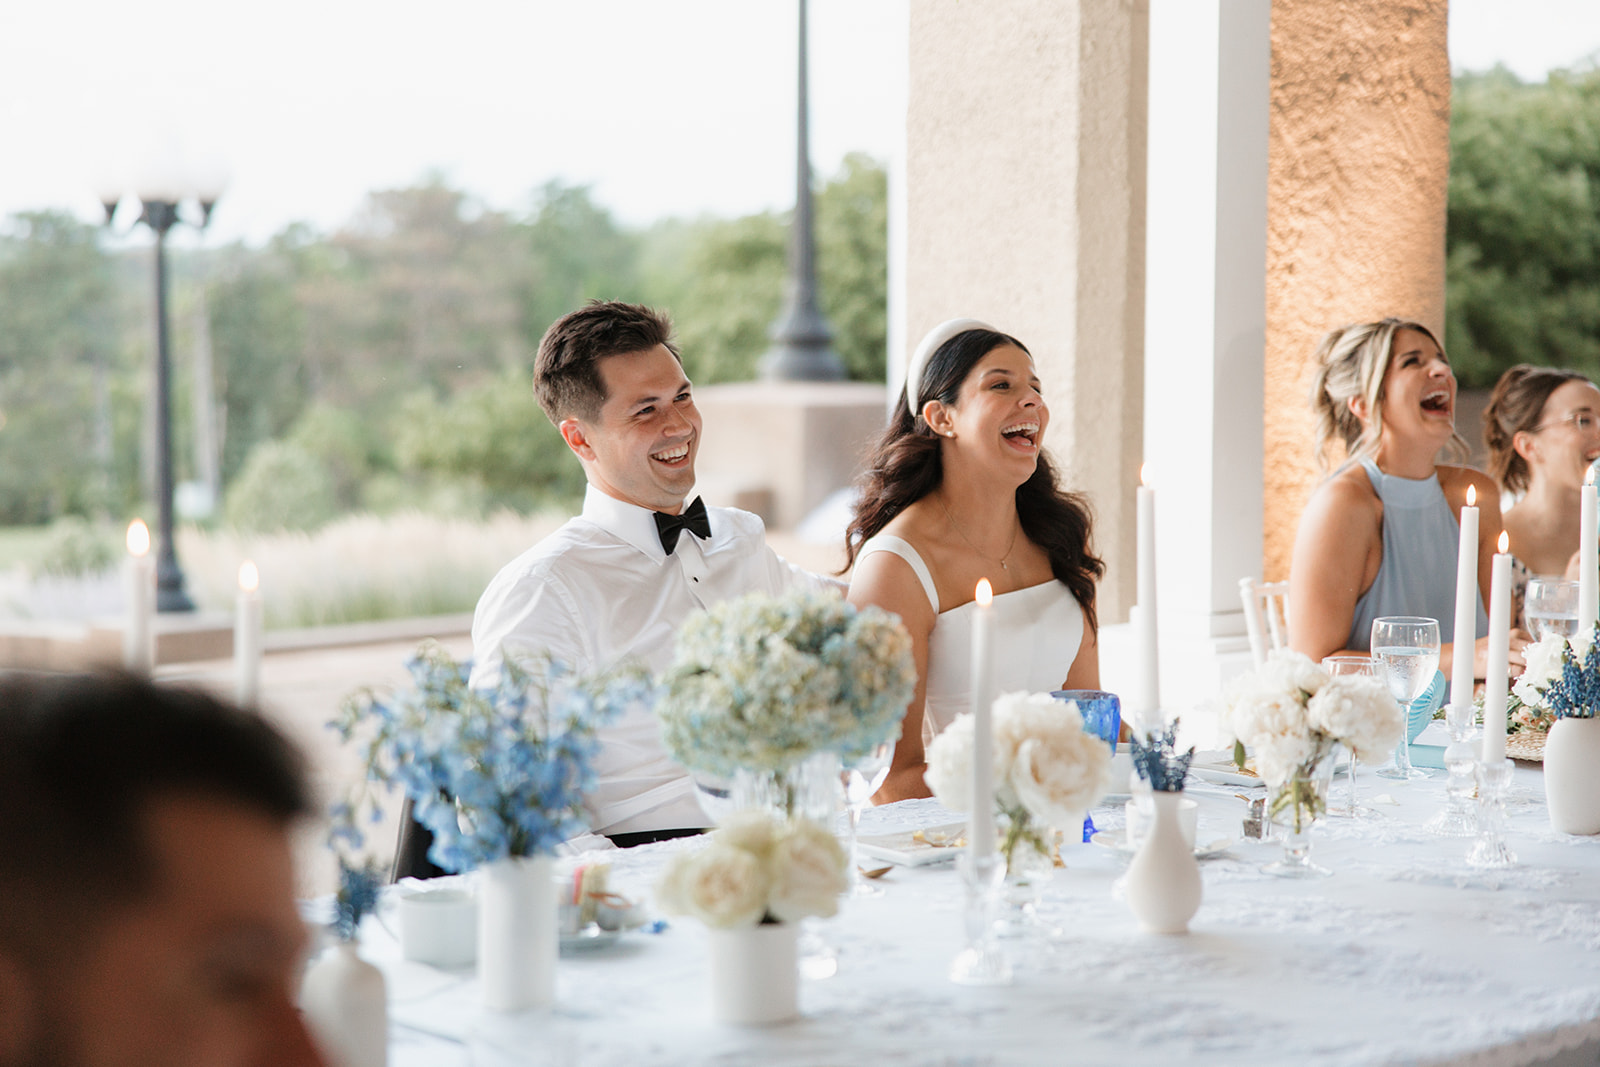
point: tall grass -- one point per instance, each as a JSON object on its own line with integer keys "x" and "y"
{"x": 362, "y": 567}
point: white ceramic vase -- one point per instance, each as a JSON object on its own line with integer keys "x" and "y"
{"x": 517, "y": 933}
{"x": 755, "y": 974}
{"x": 1572, "y": 775}
{"x": 347, "y": 1008}
{"x": 1163, "y": 882}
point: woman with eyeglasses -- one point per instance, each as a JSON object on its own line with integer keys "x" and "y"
{"x": 1542, "y": 428}
{"x": 1378, "y": 537}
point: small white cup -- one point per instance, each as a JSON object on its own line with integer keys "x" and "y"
{"x": 1140, "y": 812}
{"x": 439, "y": 927}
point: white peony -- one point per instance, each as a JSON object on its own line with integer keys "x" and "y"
{"x": 1061, "y": 775}
{"x": 753, "y": 831}
{"x": 1358, "y": 712}
{"x": 721, "y": 885}
{"x": 807, "y": 868}
{"x": 1543, "y": 658}
{"x": 950, "y": 765}
{"x": 1043, "y": 760}
{"x": 1287, "y": 669}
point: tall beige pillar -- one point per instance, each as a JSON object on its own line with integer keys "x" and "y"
{"x": 1025, "y": 172}
{"x": 1358, "y": 161}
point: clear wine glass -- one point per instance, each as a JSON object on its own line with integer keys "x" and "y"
{"x": 1551, "y": 607}
{"x": 1361, "y": 665}
{"x": 862, "y": 778}
{"x": 1406, "y": 649}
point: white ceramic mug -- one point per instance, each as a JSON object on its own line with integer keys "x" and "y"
{"x": 1140, "y": 810}
{"x": 439, "y": 927}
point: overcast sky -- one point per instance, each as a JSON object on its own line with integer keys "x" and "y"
{"x": 667, "y": 107}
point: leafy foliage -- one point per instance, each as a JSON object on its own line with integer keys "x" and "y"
{"x": 387, "y": 362}
{"x": 1523, "y": 267}
{"x": 280, "y": 488}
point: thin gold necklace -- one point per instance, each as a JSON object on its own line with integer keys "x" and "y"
{"x": 1002, "y": 560}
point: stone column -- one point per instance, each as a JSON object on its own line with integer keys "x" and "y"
{"x": 1204, "y": 326}
{"x": 1025, "y": 170}
{"x": 1359, "y": 164}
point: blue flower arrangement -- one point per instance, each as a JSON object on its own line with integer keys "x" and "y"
{"x": 492, "y": 772}
{"x": 356, "y": 897}
{"x": 1575, "y": 692}
{"x": 762, "y": 682}
{"x": 1158, "y": 762}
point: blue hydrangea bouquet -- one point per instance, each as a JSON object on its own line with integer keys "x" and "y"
{"x": 762, "y": 682}
{"x": 493, "y": 772}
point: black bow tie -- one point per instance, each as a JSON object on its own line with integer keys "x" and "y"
{"x": 692, "y": 519}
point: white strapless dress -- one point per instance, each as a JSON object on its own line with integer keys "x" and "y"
{"x": 1037, "y": 632}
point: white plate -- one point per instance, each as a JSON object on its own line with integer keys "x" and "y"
{"x": 1118, "y": 843}
{"x": 937, "y": 844}
{"x": 1224, "y": 774}
{"x": 590, "y": 937}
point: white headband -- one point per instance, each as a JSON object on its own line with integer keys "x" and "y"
{"x": 925, "y": 350}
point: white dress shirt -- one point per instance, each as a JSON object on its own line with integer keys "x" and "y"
{"x": 600, "y": 591}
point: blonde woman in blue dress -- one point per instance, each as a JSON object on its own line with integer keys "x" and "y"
{"x": 958, "y": 490}
{"x": 1379, "y": 536}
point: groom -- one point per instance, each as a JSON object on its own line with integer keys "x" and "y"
{"x": 617, "y": 582}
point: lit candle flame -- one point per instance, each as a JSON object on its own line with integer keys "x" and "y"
{"x": 985, "y": 593}
{"x": 249, "y": 577}
{"x": 1588, "y": 476}
{"x": 138, "y": 537}
{"x": 1472, "y": 495}
{"x": 1505, "y": 542}
{"x": 1144, "y": 475}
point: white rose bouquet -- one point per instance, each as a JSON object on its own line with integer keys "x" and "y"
{"x": 1048, "y": 770}
{"x": 757, "y": 868}
{"x": 1291, "y": 713}
{"x": 1561, "y": 680}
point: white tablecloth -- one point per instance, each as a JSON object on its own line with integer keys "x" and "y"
{"x": 1405, "y": 955}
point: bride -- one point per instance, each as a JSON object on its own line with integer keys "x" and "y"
{"x": 958, "y": 490}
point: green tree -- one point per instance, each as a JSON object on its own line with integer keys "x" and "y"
{"x": 58, "y": 351}
{"x": 1523, "y": 261}
{"x": 495, "y": 436}
{"x": 280, "y": 488}
{"x": 729, "y": 288}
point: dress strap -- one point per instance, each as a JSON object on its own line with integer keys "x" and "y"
{"x": 899, "y": 547}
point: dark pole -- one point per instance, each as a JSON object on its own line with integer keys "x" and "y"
{"x": 802, "y": 348}
{"x": 160, "y": 215}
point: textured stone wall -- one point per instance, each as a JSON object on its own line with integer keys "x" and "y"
{"x": 1025, "y": 206}
{"x": 1358, "y": 164}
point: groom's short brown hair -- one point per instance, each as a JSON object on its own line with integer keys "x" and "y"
{"x": 566, "y": 373}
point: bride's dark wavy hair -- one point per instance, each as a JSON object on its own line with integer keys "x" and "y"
{"x": 906, "y": 466}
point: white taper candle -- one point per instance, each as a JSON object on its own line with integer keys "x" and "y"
{"x": 1465, "y": 633}
{"x": 980, "y": 820}
{"x": 1494, "y": 685}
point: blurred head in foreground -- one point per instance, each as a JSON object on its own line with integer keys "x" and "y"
{"x": 147, "y": 910}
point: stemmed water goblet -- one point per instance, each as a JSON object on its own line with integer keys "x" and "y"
{"x": 1551, "y": 607}
{"x": 1406, "y": 649}
{"x": 861, "y": 778}
{"x": 1364, "y": 666}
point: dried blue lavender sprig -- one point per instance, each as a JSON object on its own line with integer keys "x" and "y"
{"x": 1576, "y": 693}
{"x": 1158, "y": 761}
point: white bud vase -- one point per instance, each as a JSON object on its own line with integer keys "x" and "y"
{"x": 1163, "y": 882}
{"x": 347, "y": 1008}
{"x": 755, "y": 974}
{"x": 517, "y": 933}
{"x": 1572, "y": 775}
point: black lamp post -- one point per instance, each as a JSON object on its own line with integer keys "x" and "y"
{"x": 159, "y": 211}
{"x": 802, "y": 343}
